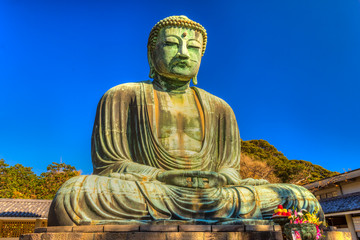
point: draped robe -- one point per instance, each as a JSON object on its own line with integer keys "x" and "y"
{"x": 127, "y": 156}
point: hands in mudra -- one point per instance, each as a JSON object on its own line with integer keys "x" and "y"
{"x": 192, "y": 179}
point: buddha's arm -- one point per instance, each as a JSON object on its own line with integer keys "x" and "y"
{"x": 230, "y": 148}
{"x": 110, "y": 147}
{"x": 229, "y": 143}
{"x": 232, "y": 175}
{"x": 132, "y": 171}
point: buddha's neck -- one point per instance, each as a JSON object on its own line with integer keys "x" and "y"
{"x": 170, "y": 85}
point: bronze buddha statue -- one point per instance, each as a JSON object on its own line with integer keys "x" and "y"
{"x": 165, "y": 151}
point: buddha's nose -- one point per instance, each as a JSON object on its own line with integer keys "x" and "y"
{"x": 183, "y": 52}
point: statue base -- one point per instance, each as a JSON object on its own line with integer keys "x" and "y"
{"x": 156, "y": 232}
{"x": 167, "y": 232}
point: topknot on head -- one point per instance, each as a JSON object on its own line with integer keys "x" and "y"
{"x": 176, "y": 21}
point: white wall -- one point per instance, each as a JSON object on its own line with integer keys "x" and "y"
{"x": 350, "y": 187}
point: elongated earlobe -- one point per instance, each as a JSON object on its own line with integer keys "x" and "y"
{"x": 152, "y": 69}
{"x": 152, "y": 72}
{"x": 194, "y": 80}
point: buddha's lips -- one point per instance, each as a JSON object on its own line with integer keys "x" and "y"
{"x": 181, "y": 64}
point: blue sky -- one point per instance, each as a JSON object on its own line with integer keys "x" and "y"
{"x": 289, "y": 69}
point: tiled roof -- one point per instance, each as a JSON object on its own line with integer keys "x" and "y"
{"x": 24, "y": 208}
{"x": 338, "y": 178}
{"x": 348, "y": 202}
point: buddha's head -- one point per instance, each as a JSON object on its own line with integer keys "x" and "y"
{"x": 175, "y": 47}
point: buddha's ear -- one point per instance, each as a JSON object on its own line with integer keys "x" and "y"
{"x": 194, "y": 80}
{"x": 152, "y": 69}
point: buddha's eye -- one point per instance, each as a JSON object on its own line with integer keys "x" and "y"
{"x": 170, "y": 43}
{"x": 193, "y": 47}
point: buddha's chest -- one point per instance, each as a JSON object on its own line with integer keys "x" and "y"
{"x": 179, "y": 121}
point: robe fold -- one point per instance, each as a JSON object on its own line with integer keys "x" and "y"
{"x": 127, "y": 156}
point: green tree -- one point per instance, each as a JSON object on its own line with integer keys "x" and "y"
{"x": 17, "y": 181}
{"x": 288, "y": 171}
{"x": 3, "y": 181}
{"x": 21, "y": 182}
{"x": 56, "y": 175}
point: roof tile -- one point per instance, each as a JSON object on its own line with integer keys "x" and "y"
{"x": 344, "y": 203}
{"x": 35, "y": 208}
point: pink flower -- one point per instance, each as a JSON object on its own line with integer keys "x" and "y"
{"x": 318, "y": 233}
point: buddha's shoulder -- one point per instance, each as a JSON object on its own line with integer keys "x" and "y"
{"x": 130, "y": 88}
{"x": 213, "y": 100}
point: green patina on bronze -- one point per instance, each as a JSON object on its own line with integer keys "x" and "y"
{"x": 163, "y": 151}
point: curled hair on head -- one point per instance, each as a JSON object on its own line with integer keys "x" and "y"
{"x": 175, "y": 21}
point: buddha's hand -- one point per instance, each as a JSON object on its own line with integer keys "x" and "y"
{"x": 192, "y": 179}
{"x": 253, "y": 182}
{"x": 129, "y": 176}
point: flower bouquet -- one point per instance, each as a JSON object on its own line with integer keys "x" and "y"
{"x": 303, "y": 225}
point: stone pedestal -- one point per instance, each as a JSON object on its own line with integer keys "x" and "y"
{"x": 157, "y": 232}
{"x": 168, "y": 232}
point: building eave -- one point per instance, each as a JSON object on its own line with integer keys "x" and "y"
{"x": 342, "y": 213}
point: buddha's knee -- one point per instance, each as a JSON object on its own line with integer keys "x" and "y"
{"x": 77, "y": 200}
{"x": 284, "y": 190}
{"x": 289, "y": 195}
{"x": 58, "y": 214}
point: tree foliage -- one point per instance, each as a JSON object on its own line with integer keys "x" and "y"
{"x": 250, "y": 168}
{"x": 284, "y": 170}
{"x": 21, "y": 182}
{"x": 56, "y": 175}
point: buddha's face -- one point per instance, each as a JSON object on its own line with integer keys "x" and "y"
{"x": 177, "y": 54}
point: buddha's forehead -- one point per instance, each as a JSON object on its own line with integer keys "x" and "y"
{"x": 181, "y": 32}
